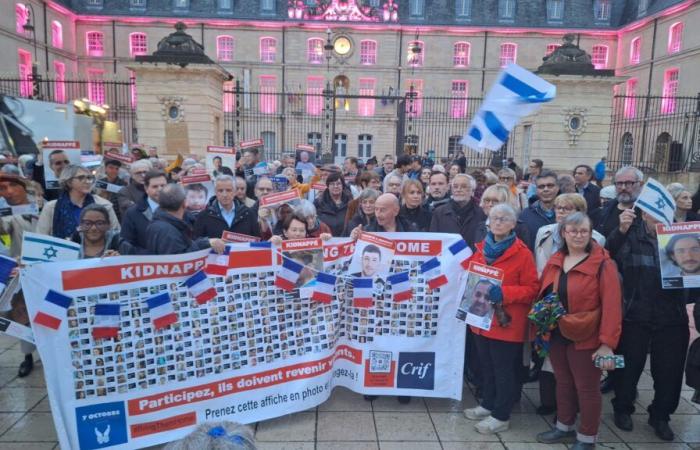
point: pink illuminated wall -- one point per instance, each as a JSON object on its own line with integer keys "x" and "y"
{"x": 314, "y": 51}
{"x": 25, "y": 73}
{"x": 599, "y": 56}
{"x": 138, "y": 44}
{"x": 59, "y": 87}
{"x": 94, "y": 43}
{"x": 675, "y": 37}
{"x": 461, "y": 54}
{"x": 668, "y": 102}
{"x": 368, "y": 52}
{"x": 224, "y": 48}
{"x": 268, "y": 99}
{"x": 314, "y": 95}
{"x": 268, "y": 49}
{"x": 631, "y": 100}
{"x": 96, "y": 87}
{"x": 636, "y": 50}
{"x": 132, "y": 89}
{"x": 228, "y": 96}
{"x": 21, "y": 14}
{"x": 509, "y": 54}
{"x": 458, "y": 103}
{"x": 56, "y": 34}
{"x": 365, "y": 106}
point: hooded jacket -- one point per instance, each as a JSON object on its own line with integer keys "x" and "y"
{"x": 210, "y": 223}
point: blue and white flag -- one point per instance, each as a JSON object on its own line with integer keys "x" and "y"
{"x": 516, "y": 94}
{"x": 657, "y": 202}
{"x": 42, "y": 248}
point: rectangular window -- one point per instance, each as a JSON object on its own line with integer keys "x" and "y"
{"x": 631, "y": 99}
{"x": 601, "y": 10}
{"x": 463, "y": 8}
{"x": 96, "y": 87}
{"x": 365, "y": 106}
{"x": 224, "y": 48}
{"x": 314, "y": 51}
{"x": 138, "y": 44}
{"x": 21, "y": 15}
{"x": 268, "y": 50}
{"x": 229, "y": 98}
{"x": 668, "y": 102}
{"x": 675, "y": 37}
{"x": 94, "y": 43}
{"x": 551, "y": 48}
{"x": 508, "y": 54}
{"x": 314, "y": 96}
{"x": 59, "y": 88}
{"x": 132, "y": 88}
{"x": 414, "y": 97}
{"x": 599, "y": 57}
{"x": 458, "y": 104}
{"x": 56, "y": 34}
{"x": 269, "y": 142}
{"x": 416, "y": 8}
{"x": 460, "y": 58}
{"x": 225, "y": 5}
{"x": 94, "y": 2}
{"x": 25, "y": 73}
{"x": 340, "y": 145}
{"x": 181, "y": 4}
{"x": 555, "y": 9}
{"x": 642, "y": 7}
{"x": 268, "y": 94}
{"x": 364, "y": 146}
{"x": 267, "y": 6}
{"x": 506, "y": 9}
{"x": 138, "y": 3}
{"x": 635, "y": 50}
{"x": 368, "y": 53}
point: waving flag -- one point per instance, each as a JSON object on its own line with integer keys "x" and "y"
{"x": 6, "y": 266}
{"x": 431, "y": 271}
{"x": 288, "y": 275}
{"x": 656, "y": 201}
{"x": 325, "y": 288}
{"x": 52, "y": 310}
{"x": 106, "y": 321}
{"x": 516, "y": 94}
{"x": 400, "y": 286}
{"x": 161, "y": 310}
{"x": 461, "y": 251}
{"x": 200, "y": 287}
{"x": 362, "y": 292}
{"x": 41, "y": 248}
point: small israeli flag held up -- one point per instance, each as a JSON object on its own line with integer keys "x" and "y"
{"x": 656, "y": 201}
{"x": 516, "y": 94}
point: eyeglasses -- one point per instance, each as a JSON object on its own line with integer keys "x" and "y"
{"x": 501, "y": 219}
{"x": 564, "y": 208}
{"x": 505, "y": 178}
{"x": 61, "y": 162}
{"x": 546, "y": 186}
{"x": 140, "y": 173}
{"x": 625, "y": 184}
{"x": 84, "y": 178}
{"x": 578, "y": 232}
{"x": 99, "y": 224}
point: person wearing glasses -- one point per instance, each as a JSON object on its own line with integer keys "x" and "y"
{"x": 96, "y": 238}
{"x": 60, "y": 217}
{"x": 518, "y": 199}
{"x": 541, "y": 212}
{"x": 628, "y": 185}
{"x": 332, "y": 206}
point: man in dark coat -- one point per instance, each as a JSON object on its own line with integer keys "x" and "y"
{"x": 169, "y": 234}
{"x": 541, "y": 212}
{"x": 439, "y": 191}
{"x": 139, "y": 216}
{"x": 583, "y": 176}
{"x": 461, "y": 215}
{"x": 111, "y": 177}
{"x": 135, "y": 190}
{"x": 225, "y": 213}
{"x": 628, "y": 185}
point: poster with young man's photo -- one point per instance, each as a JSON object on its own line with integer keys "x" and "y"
{"x": 308, "y": 253}
{"x": 220, "y": 160}
{"x": 56, "y": 155}
{"x": 198, "y": 190}
{"x": 679, "y": 255}
{"x": 372, "y": 257}
{"x": 476, "y": 308}
{"x": 305, "y": 160}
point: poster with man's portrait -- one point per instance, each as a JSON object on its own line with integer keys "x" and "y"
{"x": 198, "y": 190}
{"x": 305, "y": 160}
{"x": 56, "y": 155}
{"x": 220, "y": 160}
{"x": 679, "y": 255}
{"x": 308, "y": 253}
{"x": 476, "y": 308}
{"x": 372, "y": 257}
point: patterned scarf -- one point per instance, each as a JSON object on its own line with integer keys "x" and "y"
{"x": 494, "y": 250}
{"x": 65, "y": 221}
{"x": 545, "y": 315}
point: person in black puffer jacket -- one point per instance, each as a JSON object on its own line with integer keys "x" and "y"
{"x": 225, "y": 212}
{"x": 332, "y": 206}
{"x": 412, "y": 208}
{"x": 461, "y": 215}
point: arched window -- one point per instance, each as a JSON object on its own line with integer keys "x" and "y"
{"x": 268, "y": 49}
{"x": 224, "y": 48}
{"x": 56, "y": 34}
{"x": 627, "y": 148}
{"x": 365, "y": 105}
{"x": 229, "y": 98}
{"x": 662, "y": 148}
{"x": 509, "y": 54}
{"x": 368, "y": 53}
{"x": 675, "y": 37}
{"x": 458, "y": 103}
{"x": 668, "y": 102}
{"x": 460, "y": 56}
{"x": 138, "y": 44}
{"x": 599, "y": 56}
{"x": 268, "y": 94}
{"x": 94, "y": 43}
{"x": 314, "y": 51}
{"x": 635, "y": 50}
{"x": 59, "y": 89}
{"x": 314, "y": 95}
{"x": 631, "y": 99}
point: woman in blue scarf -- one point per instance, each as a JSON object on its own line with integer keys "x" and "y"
{"x": 60, "y": 218}
{"x": 500, "y": 348}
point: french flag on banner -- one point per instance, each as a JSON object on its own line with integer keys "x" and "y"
{"x": 288, "y": 275}
{"x": 431, "y": 271}
{"x": 461, "y": 251}
{"x": 6, "y": 266}
{"x": 400, "y": 286}
{"x": 52, "y": 310}
{"x": 325, "y": 288}
{"x": 362, "y": 292}
{"x": 217, "y": 264}
{"x": 200, "y": 287}
{"x": 161, "y": 310}
{"x": 106, "y": 321}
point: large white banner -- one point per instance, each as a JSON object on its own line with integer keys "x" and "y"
{"x": 250, "y": 352}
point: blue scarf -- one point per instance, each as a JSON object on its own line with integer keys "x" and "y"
{"x": 549, "y": 214}
{"x": 494, "y": 250}
{"x": 66, "y": 215}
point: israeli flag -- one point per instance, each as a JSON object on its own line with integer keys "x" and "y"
{"x": 656, "y": 201}
{"x": 516, "y": 94}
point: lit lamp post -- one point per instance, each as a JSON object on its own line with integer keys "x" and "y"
{"x": 328, "y": 103}
{"x": 414, "y": 53}
{"x": 29, "y": 27}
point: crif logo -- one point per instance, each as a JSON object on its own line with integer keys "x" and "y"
{"x": 102, "y": 425}
{"x": 416, "y": 370}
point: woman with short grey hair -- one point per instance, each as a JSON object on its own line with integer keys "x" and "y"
{"x": 307, "y": 210}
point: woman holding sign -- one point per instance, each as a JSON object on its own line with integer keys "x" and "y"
{"x": 585, "y": 279}
{"x": 500, "y": 348}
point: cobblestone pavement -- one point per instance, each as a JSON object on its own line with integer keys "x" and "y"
{"x": 347, "y": 421}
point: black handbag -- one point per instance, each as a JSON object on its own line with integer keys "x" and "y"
{"x": 692, "y": 365}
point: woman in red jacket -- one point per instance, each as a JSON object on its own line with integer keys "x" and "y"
{"x": 585, "y": 279}
{"x": 500, "y": 348}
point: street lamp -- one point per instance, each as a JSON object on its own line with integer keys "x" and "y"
{"x": 29, "y": 27}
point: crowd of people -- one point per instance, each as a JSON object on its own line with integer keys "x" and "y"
{"x": 574, "y": 234}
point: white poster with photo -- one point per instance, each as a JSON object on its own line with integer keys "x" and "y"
{"x": 220, "y": 160}
{"x": 247, "y": 353}
{"x": 198, "y": 190}
{"x": 679, "y": 254}
{"x": 476, "y": 308}
{"x": 55, "y": 156}
{"x": 372, "y": 257}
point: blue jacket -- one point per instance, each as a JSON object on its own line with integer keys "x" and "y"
{"x": 530, "y": 220}
{"x": 600, "y": 170}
